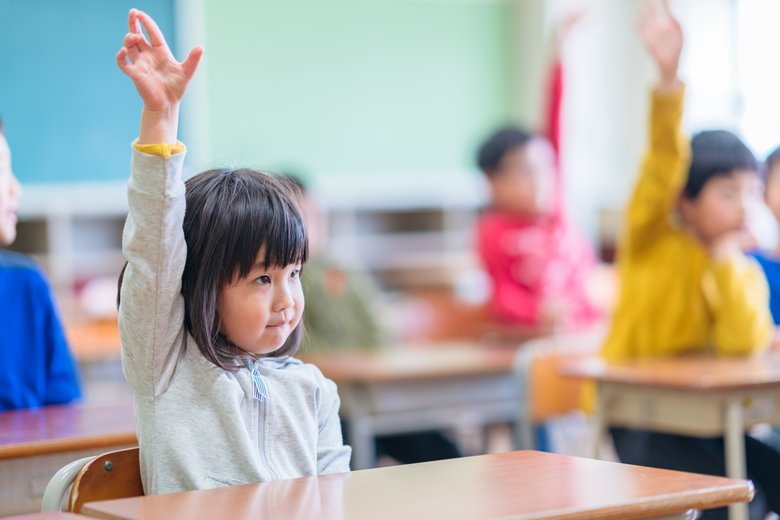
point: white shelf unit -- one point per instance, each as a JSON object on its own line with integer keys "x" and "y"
{"x": 73, "y": 230}
{"x": 408, "y": 231}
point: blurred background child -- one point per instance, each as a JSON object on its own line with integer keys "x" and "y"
{"x": 770, "y": 260}
{"x": 537, "y": 261}
{"x": 685, "y": 285}
{"x": 36, "y": 368}
{"x": 342, "y": 315}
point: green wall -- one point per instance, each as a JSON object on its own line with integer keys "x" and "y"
{"x": 355, "y": 86}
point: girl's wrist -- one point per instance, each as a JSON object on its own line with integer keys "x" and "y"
{"x": 159, "y": 126}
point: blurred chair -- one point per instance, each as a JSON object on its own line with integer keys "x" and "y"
{"x": 116, "y": 474}
{"x": 544, "y": 394}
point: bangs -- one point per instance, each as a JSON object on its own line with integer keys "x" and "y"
{"x": 265, "y": 221}
{"x": 249, "y": 213}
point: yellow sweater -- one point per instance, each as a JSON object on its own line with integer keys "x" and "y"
{"x": 674, "y": 298}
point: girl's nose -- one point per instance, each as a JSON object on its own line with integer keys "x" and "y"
{"x": 284, "y": 299}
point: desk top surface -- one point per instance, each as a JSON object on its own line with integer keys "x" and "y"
{"x": 48, "y": 515}
{"x": 521, "y": 485}
{"x": 414, "y": 362}
{"x": 685, "y": 372}
{"x": 58, "y": 429}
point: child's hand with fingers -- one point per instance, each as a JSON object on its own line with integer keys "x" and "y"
{"x": 663, "y": 38}
{"x": 565, "y": 23}
{"x": 160, "y": 80}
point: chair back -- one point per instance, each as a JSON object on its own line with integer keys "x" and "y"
{"x": 116, "y": 474}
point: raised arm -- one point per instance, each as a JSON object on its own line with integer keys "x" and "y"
{"x": 555, "y": 76}
{"x": 555, "y": 89}
{"x": 151, "y": 312}
{"x": 664, "y": 167}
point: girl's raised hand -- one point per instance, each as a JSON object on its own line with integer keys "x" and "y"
{"x": 663, "y": 38}
{"x": 160, "y": 80}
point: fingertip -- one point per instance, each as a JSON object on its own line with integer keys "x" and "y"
{"x": 196, "y": 53}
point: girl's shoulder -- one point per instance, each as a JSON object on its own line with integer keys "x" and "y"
{"x": 290, "y": 365}
{"x": 301, "y": 379}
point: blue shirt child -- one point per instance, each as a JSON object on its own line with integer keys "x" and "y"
{"x": 771, "y": 266}
{"x": 36, "y": 367}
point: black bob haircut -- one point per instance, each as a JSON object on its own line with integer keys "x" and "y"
{"x": 716, "y": 153}
{"x": 231, "y": 217}
{"x": 499, "y": 144}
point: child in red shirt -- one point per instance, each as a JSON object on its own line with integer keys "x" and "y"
{"x": 537, "y": 261}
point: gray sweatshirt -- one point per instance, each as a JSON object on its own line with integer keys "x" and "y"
{"x": 200, "y": 426}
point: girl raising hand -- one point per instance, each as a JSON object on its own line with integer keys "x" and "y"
{"x": 210, "y": 306}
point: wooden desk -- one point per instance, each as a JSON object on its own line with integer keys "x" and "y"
{"x": 49, "y": 515}
{"x": 34, "y": 444}
{"x": 519, "y": 485}
{"x": 697, "y": 396}
{"x": 419, "y": 388}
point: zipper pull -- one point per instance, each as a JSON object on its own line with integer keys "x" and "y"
{"x": 258, "y": 385}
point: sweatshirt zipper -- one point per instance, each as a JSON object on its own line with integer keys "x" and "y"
{"x": 260, "y": 392}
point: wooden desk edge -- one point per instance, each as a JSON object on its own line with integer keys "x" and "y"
{"x": 88, "y": 510}
{"x": 600, "y": 375}
{"x": 738, "y": 492}
{"x": 49, "y": 447}
{"x": 370, "y": 379}
{"x": 651, "y": 507}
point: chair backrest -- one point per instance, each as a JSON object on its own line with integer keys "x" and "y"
{"x": 116, "y": 474}
{"x": 551, "y": 393}
{"x": 543, "y": 392}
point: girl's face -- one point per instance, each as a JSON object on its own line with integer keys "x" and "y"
{"x": 9, "y": 195}
{"x": 259, "y": 311}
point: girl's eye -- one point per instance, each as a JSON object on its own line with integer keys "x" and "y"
{"x": 296, "y": 273}
{"x": 265, "y": 279}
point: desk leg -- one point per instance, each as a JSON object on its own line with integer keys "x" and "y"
{"x": 362, "y": 439}
{"x": 524, "y": 427}
{"x": 734, "y": 442}
{"x": 361, "y": 433}
{"x": 599, "y": 425}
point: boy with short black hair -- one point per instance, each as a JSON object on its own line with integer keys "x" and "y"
{"x": 685, "y": 284}
{"x": 537, "y": 261}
